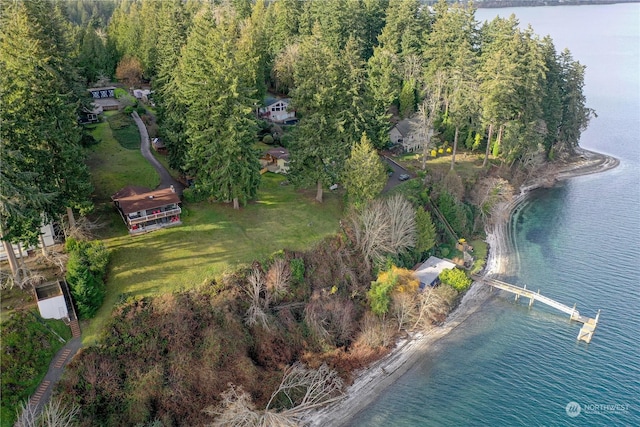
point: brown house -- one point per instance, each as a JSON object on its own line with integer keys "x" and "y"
{"x": 144, "y": 210}
{"x": 276, "y": 160}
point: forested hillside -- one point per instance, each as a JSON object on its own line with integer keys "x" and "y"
{"x": 349, "y": 66}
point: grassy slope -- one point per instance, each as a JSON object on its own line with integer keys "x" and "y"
{"x": 113, "y": 167}
{"x": 213, "y": 238}
{"x": 27, "y": 348}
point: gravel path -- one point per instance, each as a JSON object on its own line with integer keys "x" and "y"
{"x": 56, "y": 369}
{"x": 166, "y": 180}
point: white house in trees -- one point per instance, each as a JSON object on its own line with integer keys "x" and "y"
{"x": 277, "y": 110}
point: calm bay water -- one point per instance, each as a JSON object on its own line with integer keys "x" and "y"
{"x": 509, "y": 365}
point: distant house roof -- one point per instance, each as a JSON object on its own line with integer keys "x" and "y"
{"x": 93, "y": 89}
{"x": 406, "y": 126}
{"x": 429, "y": 271}
{"x": 135, "y": 199}
{"x": 279, "y": 153}
{"x": 269, "y": 100}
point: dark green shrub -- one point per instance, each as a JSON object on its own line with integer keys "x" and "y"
{"x": 141, "y": 110}
{"x": 191, "y": 195}
{"x": 267, "y": 139}
{"x": 297, "y": 270}
{"x": 128, "y": 109}
{"x": 285, "y": 140}
{"x": 86, "y": 271}
{"x": 455, "y": 278}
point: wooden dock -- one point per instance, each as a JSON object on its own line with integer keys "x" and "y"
{"x": 589, "y": 324}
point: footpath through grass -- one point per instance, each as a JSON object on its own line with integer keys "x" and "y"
{"x": 212, "y": 239}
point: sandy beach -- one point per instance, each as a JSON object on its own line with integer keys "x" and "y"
{"x": 381, "y": 374}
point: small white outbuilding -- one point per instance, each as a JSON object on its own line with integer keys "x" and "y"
{"x": 51, "y": 302}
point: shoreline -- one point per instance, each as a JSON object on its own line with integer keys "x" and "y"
{"x": 372, "y": 380}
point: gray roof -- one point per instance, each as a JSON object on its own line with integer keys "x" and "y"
{"x": 279, "y": 153}
{"x": 429, "y": 271}
{"x": 406, "y": 126}
{"x": 269, "y": 100}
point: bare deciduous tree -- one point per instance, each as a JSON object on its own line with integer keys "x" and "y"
{"x": 255, "y": 288}
{"x": 402, "y": 223}
{"x": 81, "y": 228}
{"x": 278, "y": 278}
{"x": 403, "y": 307}
{"x": 376, "y": 331}
{"x": 301, "y": 390}
{"x": 433, "y": 304}
{"x": 427, "y": 113}
{"x": 236, "y": 409}
{"x": 54, "y": 414}
{"x": 384, "y": 226}
{"x": 490, "y": 194}
{"x": 129, "y": 71}
{"x": 371, "y": 231}
{"x": 283, "y": 66}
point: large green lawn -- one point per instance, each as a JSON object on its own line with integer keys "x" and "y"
{"x": 212, "y": 239}
{"x": 114, "y": 167}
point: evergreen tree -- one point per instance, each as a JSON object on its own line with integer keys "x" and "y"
{"x": 39, "y": 133}
{"x": 552, "y": 106}
{"x": 216, "y": 84}
{"x": 93, "y": 58}
{"x": 384, "y": 87}
{"x": 172, "y": 35}
{"x": 364, "y": 174}
{"x": 403, "y": 27}
{"x": 498, "y": 74}
{"x": 282, "y": 20}
{"x": 426, "y": 231}
{"x": 575, "y": 114}
{"x": 321, "y": 97}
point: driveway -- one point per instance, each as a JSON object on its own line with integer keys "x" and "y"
{"x": 397, "y": 171}
{"x": 166, "y": 180}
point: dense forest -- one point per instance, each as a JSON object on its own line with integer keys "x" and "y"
{"x": 349, "y": 66}
{"x": 352, "y": 69}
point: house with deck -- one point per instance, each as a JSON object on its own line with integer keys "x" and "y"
{"x": 278, "y": 110}
{"x": 143, "y": 210}
{"x": 275, "y": 160}
{"x": 429, "y": 271}
{"x": 104, "y": 98}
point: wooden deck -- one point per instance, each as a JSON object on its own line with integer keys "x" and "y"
{"x": 589, "y": 324}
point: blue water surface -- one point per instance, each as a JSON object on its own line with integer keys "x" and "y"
{"x": 511, "y": 365}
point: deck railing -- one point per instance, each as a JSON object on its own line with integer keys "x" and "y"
{"x": 151, "y": 217}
